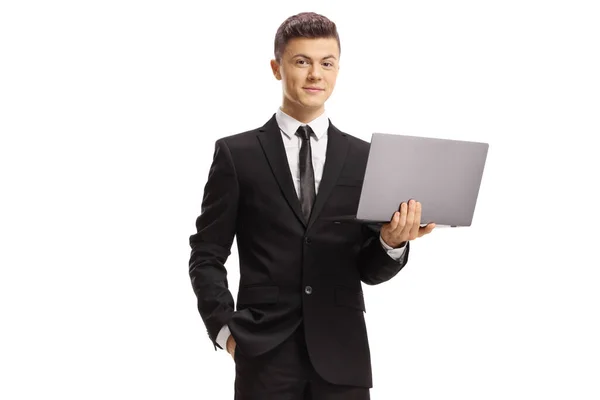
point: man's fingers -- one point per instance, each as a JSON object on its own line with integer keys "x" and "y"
{"x": 402, "y": 219}
{"x": 426, "y": 229}
{"x": 394, "y": 221}
{"x": 410, "y": 216}
{"x": 405, "y": 224}
{"x": 414, "y": 230}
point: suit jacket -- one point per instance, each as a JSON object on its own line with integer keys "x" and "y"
{"x": 291, "y": 270}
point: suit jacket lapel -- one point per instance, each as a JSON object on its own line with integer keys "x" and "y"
{"x": 272, "y": 144}
{"x": 337, "y": 148}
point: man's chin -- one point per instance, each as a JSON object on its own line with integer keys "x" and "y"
{"x": 314, "y": 105}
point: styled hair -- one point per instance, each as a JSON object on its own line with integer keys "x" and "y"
{"x": 304, "y": 25}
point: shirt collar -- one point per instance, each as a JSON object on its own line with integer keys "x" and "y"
{"x": 289, "y": 125}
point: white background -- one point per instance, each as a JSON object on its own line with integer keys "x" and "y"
{"x": 108, "y": 114}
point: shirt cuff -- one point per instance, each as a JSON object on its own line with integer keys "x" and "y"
{"x": 222, "y": 337}
{"x": 394, "y": 253}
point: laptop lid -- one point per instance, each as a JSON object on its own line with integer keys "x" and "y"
{"x": 444, "y": 175}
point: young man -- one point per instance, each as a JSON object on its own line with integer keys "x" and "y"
{"x": 299, "y": 330}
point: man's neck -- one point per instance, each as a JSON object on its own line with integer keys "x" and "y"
{"x": 304, "y": 115}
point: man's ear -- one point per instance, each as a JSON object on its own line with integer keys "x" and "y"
{"x": 275, "y": 68}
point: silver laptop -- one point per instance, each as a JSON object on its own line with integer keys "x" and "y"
{"x": 443, "y": 175}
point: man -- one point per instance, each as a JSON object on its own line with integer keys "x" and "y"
{"x": 299, "y": 330}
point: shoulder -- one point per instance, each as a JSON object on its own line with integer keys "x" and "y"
{"x": 243, "y": 140}
{"x": 358, "y": 142}
{"x": 239, "y": 139}
{"x": 354, "y": 142}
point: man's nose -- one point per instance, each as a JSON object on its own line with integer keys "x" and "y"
{"x": 315, "y": 72}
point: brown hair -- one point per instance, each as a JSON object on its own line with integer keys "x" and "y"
{"x": 306, "y": 25}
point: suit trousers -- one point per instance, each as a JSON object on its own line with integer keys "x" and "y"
{"x": 286, "y": 373}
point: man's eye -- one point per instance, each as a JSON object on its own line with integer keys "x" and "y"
{"x": 301, "y": 62}
{"x": 328, "y": 64}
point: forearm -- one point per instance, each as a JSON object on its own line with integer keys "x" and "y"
{"x": 375, "y": 264}
{"x": 209, "y": 281}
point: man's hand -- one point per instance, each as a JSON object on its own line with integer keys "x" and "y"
{"x": 231, "y": 346}
{"x": 405, "y": 225}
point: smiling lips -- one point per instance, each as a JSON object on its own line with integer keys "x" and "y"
{"x": 313, "y": 89}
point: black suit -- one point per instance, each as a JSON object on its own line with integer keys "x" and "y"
{"x": 291, "y": 271}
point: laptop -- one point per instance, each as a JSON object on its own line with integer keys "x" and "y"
{"x": 443, "y": 175}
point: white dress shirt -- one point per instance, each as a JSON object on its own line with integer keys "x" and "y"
{"x": 318, "y": 142}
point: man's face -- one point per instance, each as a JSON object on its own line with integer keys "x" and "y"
{"x": 308, "y": 71}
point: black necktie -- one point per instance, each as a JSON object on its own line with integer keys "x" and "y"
{"x": 307, "y": 174}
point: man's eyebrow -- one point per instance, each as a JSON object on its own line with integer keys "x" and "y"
{"x": 324, "y": 58}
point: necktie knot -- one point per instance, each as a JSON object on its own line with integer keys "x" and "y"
{"x": 304, "y": 131}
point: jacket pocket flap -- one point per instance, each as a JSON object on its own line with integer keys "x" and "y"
{"x": 258, "y": 295}
{"x": 350, "y": 298}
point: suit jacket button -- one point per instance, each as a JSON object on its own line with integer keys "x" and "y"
{"x": 307, "y": 240}
{"x": 308, "y": 290}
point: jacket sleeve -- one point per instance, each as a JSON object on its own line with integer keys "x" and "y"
{"x": 374, "y": 263}
{"x": 211, "y": 244}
